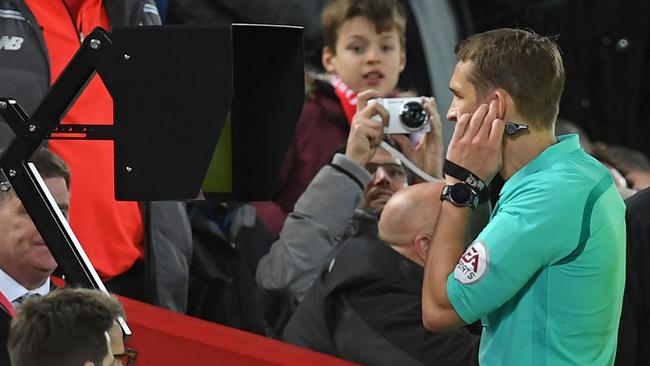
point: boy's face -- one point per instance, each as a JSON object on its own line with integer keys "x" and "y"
{"x": 365, "y": 59}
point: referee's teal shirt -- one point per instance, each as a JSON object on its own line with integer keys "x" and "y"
{"x": 546, "y": 276}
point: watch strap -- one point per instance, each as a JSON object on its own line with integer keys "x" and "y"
{"x": 464, "y": 175}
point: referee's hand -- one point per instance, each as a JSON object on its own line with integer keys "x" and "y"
{"x": 477, "y": 141}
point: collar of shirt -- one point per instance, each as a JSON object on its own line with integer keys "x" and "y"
{"x": 566, "y": 144}
{"x": 13, "y": 290}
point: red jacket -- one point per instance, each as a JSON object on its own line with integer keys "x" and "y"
{"x": 111, "y": 232}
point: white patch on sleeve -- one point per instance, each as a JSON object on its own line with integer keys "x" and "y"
{"x": 473, "y": 265}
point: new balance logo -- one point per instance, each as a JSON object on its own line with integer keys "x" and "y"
{"x": 11, "y": 43}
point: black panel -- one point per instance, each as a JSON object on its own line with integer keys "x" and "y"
{"x": 268, "y": 98}
{"x": 171, "y": 92}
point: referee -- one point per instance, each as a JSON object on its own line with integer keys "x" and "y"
{"x": 546, "y": 275}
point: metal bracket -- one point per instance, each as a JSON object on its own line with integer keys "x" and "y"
{"x": 30, "y": 134}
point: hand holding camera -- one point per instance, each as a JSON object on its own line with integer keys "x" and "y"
{"x": 373, "y": 119}
{"x": 365, "y": 132}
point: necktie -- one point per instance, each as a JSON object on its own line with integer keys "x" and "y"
{"x": 16, "y": 303}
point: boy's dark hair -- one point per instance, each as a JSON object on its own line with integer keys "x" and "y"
{"x": 386, "y": 15}
{"x": 528, "y": 66}
{"x": 65, "y": 327}
{"x": 49, "y": 166}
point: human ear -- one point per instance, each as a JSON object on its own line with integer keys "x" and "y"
{"x": 327, "y": 60}
{"x": 422, "y": 243}
{"x": 402, "y": 60}
{"x": 501, "y": 97}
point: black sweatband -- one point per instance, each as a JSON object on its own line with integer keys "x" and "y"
{"x": 484, "y": 196}
{"x": 464, "y": 175}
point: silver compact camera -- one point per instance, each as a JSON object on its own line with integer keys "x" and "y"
{"x": 405, "y": 115}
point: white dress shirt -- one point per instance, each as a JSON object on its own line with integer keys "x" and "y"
{"x": 14, "y": 290}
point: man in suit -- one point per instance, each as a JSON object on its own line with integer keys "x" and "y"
{"x": 25, "y": 261}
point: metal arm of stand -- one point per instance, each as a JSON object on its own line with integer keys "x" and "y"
{"x": 30, "y": 134}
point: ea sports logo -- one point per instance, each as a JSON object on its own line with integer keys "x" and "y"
{"x": 473, "y": 264}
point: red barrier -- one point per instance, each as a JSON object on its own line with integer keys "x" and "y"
{"x": 162, "y": 338}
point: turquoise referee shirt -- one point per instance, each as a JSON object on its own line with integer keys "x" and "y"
{"x": 546, "y": 276}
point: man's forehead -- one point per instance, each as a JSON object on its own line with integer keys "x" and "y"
{"x": 462, "y": 71}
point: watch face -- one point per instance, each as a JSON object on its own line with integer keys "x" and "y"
{"x": 460, "y": 192}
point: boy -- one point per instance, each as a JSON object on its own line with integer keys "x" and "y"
{"x": 364, "y": 49}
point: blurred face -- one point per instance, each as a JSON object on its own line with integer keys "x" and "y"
{"x": 23, "y": 253}
{"x": 108, "y": 360}
{"x": 638, "y": 179}
{"x": 365, "y": 59}
{"x": 116, "y": 344}
{"x": 388, "y": 176}
{"x": 465, "y": 99}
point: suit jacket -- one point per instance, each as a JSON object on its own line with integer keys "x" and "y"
{"x": 634, "y": 327}
{"x": 5, "y": 322}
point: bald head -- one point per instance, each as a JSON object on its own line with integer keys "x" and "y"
{"x": 410, "y": 214}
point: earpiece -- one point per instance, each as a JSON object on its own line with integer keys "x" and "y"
{"x": 512, "y": 128}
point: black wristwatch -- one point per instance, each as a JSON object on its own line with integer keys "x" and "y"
{"x": 460, "y": 195}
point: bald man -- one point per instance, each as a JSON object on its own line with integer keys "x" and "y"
{"x": 404, "y": 225}
{"x": 366, "y": 307}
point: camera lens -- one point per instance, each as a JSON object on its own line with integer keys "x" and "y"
{"x": 413, "y": 116}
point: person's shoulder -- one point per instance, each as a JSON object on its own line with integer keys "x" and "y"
{"x": 570, "y": 177}
{"x": 578, "y": 168}
{"x": 640, "y": 202}
{"x": 318, "y": 86}
{"x": 364, "y": 256}
{"x": 5, "y": 322}
{"x": 363, "y": 248}
{"x": 5, "y": 319}
{"x": 638, "y": 211}
{"x": 321, "y": 101}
